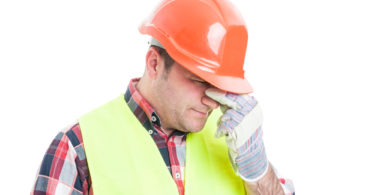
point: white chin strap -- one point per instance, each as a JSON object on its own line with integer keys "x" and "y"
{"x": 155, "y": 42}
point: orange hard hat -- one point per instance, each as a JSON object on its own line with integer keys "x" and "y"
{"x": 207, "y": 37}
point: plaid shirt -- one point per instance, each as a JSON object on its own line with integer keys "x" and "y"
{"x": 64, "y": 167}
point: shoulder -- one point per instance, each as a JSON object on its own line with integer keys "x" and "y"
{"x": 68, "y": 149}
{"x": 71, "y": 139}
{"x": 73, "y": 134}
{"x": 68, "y": 140}
{"x": 64, "y": 163}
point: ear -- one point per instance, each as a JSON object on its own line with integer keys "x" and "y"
{"x": 154, "y": 63}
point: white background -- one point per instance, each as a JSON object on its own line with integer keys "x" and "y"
{"x": 310, "y": 62}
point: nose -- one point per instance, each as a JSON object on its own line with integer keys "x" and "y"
{"x": 212, "y": 104}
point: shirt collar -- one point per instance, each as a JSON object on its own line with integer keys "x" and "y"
{"x": 144, "y": 112}
{"x": 140, "y": 107}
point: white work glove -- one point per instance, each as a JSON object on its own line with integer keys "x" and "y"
{"x": 241, "y": 125}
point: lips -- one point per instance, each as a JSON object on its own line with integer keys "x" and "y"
{"x": 201, "y": 113}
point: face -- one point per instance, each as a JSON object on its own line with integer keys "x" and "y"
{"x": 181, "y": 100}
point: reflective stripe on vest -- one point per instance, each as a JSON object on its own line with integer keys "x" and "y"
{"x": 123, "y": 158}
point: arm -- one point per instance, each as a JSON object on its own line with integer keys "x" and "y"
{"x": 268, "y": 184}
{"x": 64, "y": 166}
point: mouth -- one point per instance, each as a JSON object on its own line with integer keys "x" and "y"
{"x": 200, "y": 113}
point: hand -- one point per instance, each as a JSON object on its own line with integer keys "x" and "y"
{"x": 241, "y": 124}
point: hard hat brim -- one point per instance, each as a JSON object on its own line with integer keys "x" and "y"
{"x": 223, "y": 82}
{"x": 232, "y": 84}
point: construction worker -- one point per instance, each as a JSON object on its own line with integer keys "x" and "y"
{"x": 166, "y": 134}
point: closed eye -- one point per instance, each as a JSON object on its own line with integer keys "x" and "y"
{"x": 200, "y": 81}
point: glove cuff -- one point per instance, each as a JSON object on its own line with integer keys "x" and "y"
{"x": 252, "y": 162}
{"x": 253, "y": 180}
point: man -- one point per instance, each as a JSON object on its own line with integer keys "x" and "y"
{"x": 165, "y": 135}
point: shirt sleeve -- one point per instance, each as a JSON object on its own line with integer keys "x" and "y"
{"x": 64, "y": 167}
{"x": 286, "y": 184}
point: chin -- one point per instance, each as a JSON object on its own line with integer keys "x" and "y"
{"x": 195, "y": 130}
{"x": 192, "y": 122}
{"x": 196, "y": 127}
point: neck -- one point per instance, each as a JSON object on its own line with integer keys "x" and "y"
{"x": 145, "y": 89}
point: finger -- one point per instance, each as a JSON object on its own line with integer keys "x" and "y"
{"x": 234, "y": 115}
{"x": 241, "y": 100}
{"x": 224, "y": 118}
{"x": 220, "y": 96}
{"x": 226, "y": 129}
{"x": 220, "y": 132}
{"x": 224, "y": 108}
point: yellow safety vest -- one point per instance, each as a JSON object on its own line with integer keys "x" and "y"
{"x": 124, "y": 159}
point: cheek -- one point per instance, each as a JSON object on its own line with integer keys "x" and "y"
{"x": 172, "y": 97}
{"x": 180, "y": 90}
{"x": 196, "y": 92}
{"x": 184, "y": 94}
{"x": 179, "y": 100}
{"x": 191, "y": 95}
